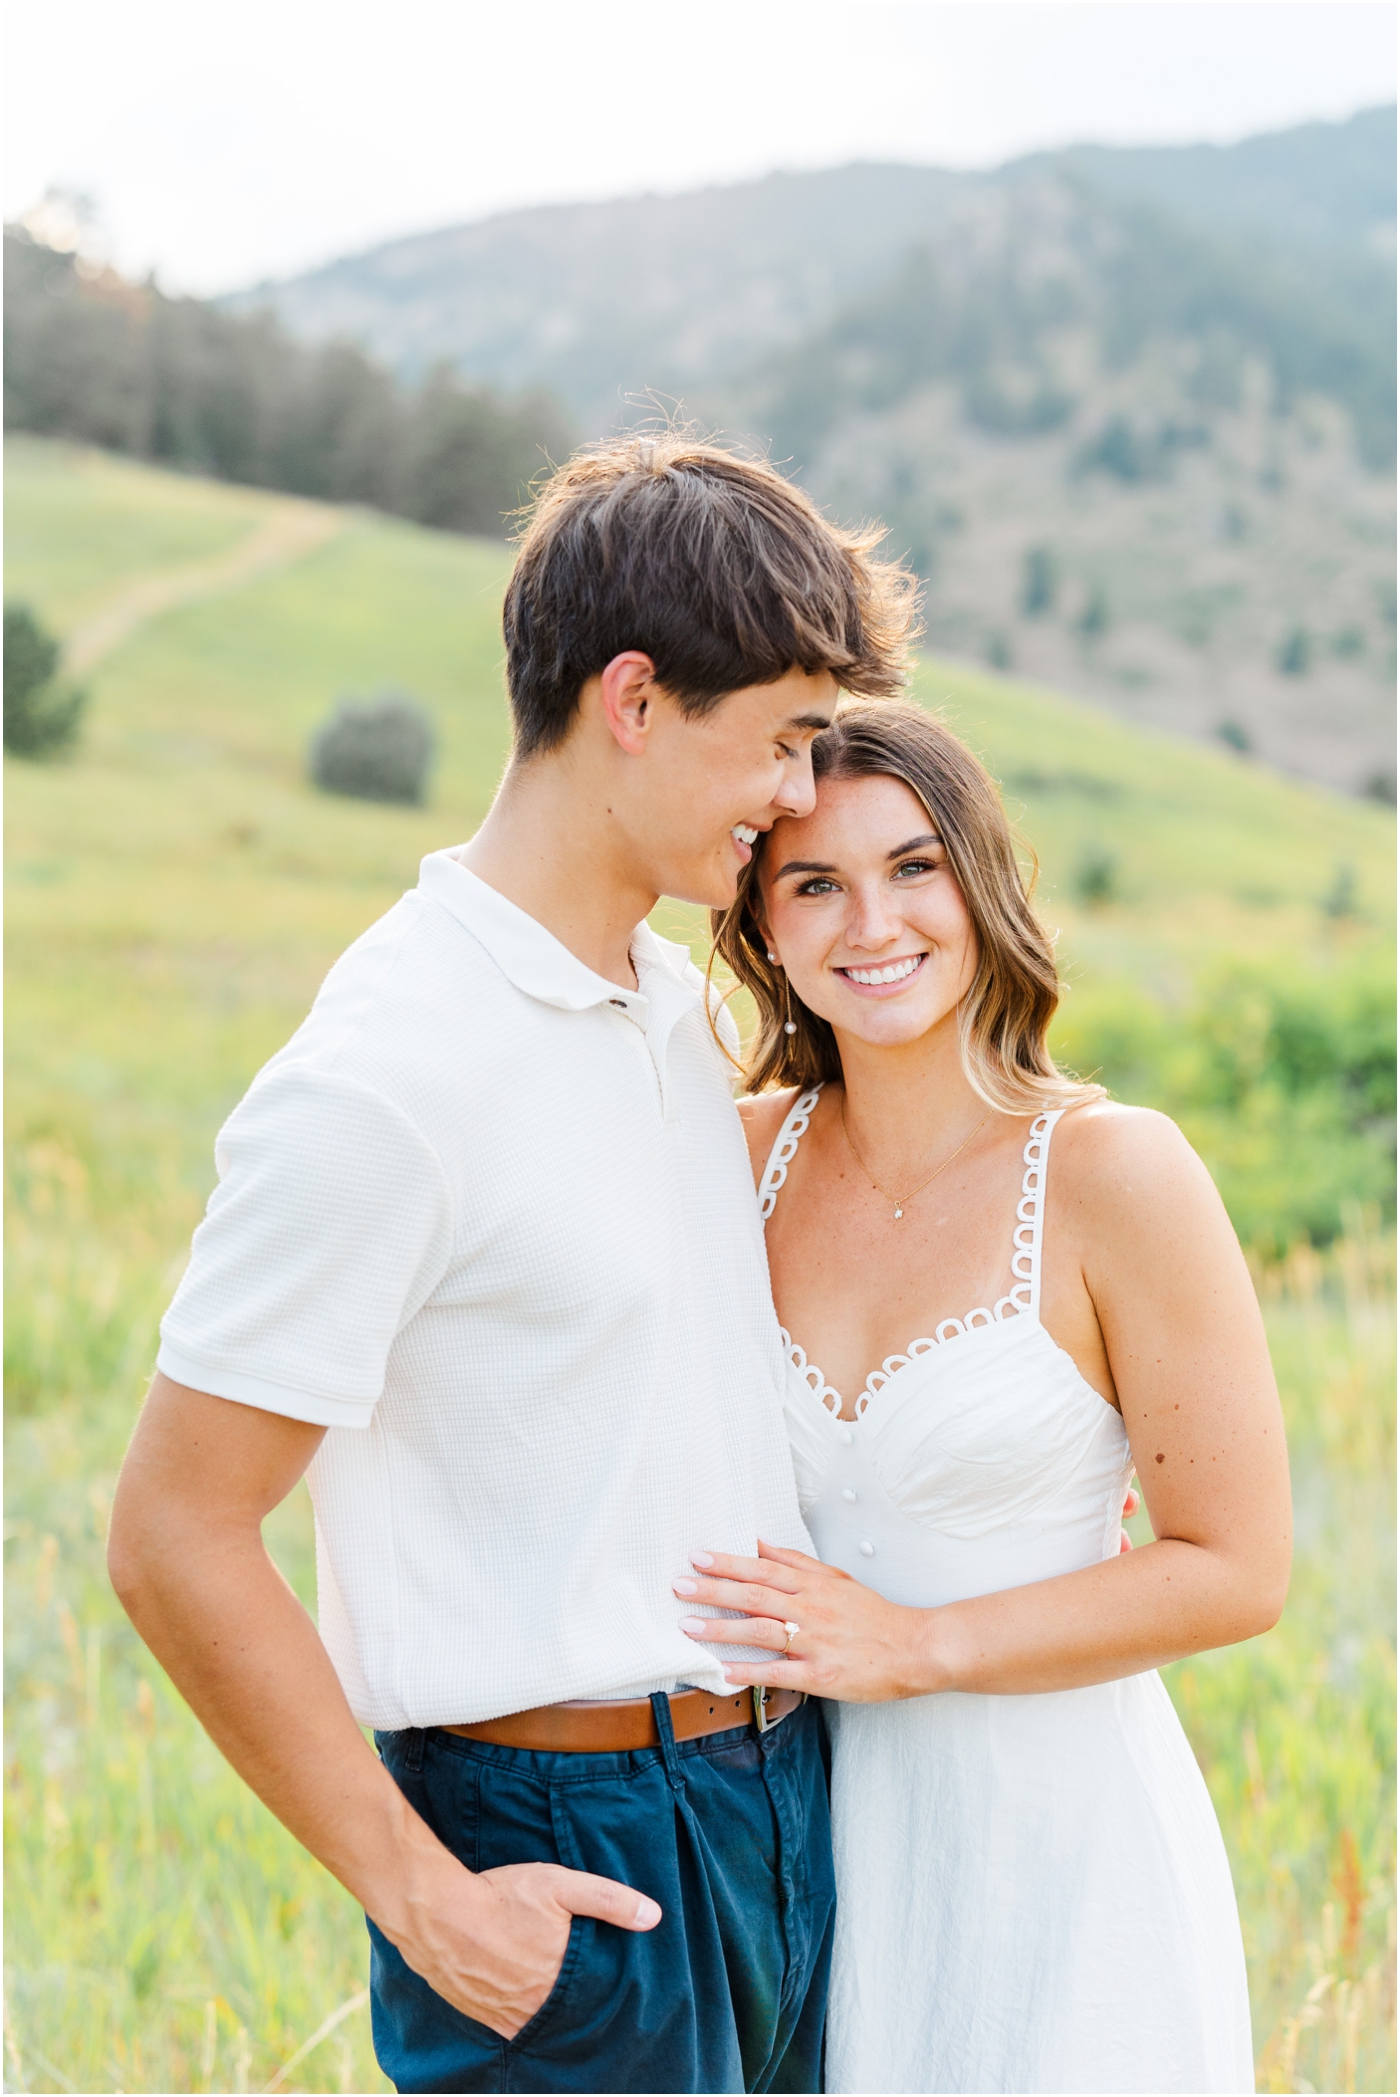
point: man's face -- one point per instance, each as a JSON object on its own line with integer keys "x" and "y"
{"x": 709, "y": 784}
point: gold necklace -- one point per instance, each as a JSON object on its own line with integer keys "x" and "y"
{"x": 900, "y": 1201}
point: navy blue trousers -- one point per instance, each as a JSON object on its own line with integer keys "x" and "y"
{"x": 730, "y": 1835}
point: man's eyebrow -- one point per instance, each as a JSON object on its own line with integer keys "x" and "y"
{"x": 803, "y": 866}
{"x": 817, "y": 721}
{"x": 932, "y": 838}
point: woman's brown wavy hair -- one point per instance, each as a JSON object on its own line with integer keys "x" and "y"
{"x": 1005, "y": 1015}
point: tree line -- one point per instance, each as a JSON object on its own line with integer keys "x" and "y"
{"x": 95, "y": 359}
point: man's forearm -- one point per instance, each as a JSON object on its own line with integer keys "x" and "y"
{"x": 247, "y": 1658}
{"x": 186, "y": 1557}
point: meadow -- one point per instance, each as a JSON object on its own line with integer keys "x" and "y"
{"x": 175, "y": 893}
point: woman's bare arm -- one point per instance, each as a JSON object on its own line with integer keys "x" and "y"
{"x": 1186, "y": 1346}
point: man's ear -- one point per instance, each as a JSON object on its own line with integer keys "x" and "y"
{"x": 628, "y": 695}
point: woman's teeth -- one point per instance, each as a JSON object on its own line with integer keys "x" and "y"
{"x": 895, "y": 973}
{"x": 745, "y": 835}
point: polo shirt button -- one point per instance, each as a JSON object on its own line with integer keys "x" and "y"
{"x": 849, "y": 1496}
{"x": 845, "y": 1437}
{"x": 867, "y": 1549}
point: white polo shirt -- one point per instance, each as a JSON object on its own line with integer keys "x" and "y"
{"x": 489, "y": 1219}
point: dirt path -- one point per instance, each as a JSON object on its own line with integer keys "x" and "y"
{"x": 293, "y": 530}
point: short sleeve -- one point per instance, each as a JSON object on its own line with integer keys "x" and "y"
{"x": 329, "y": 1229}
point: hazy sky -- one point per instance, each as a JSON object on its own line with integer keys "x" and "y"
{"x": 226, "y": 140}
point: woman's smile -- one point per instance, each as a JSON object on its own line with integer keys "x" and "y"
{"x": 880, "y": 979}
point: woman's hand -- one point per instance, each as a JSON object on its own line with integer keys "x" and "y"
{"x": 850, "y": 1642}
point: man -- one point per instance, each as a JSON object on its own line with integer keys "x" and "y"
{"x": 484, "y": 1256}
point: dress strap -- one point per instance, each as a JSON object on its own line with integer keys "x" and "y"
{"x": 1028, "y": 1236}
{"x": 784, "y": 1151}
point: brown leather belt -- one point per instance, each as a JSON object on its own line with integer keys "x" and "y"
{"x": 630, "y": 1722}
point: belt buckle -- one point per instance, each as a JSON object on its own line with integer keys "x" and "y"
{"x": 761, "y": 1719}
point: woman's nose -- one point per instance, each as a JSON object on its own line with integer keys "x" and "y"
{"x": 873, "y": 922}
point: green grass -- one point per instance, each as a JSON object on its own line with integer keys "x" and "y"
{"x": 176, "y": 893}
{"x": 93, "y": 521}
{"x": 1296, "y": 1731}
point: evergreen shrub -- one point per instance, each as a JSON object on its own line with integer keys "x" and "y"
{"x": 374, "y": 750}
{"x": 41, "y": 714}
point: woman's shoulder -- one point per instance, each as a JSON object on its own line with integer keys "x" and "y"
{"x": 763, "y": 1114}
{"x": 1118, "y": 1159}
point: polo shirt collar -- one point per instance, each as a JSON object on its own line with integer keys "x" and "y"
{"x": 538, "y": 963}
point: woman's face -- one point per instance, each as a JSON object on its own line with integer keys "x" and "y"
{"x": 864, "y": 912}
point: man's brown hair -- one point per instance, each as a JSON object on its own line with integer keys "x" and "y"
{"x": 711, "y": 563}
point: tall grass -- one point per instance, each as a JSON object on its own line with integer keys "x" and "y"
{"x": 1296, "y": 1731}
{"x": 165, "y": 1934}
{"x": 176, "y": 896}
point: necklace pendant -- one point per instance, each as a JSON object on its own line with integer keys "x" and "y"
{"x": 897, "y": 1214}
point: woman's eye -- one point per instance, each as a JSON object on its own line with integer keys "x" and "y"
{"x": 817, "y": 886}
{"x": 916, "y": 866}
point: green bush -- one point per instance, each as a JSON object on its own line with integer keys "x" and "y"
{"x": 1096, "y": 878}
{"x": 374, "y": 750}
{"x": 1039, "y": 582}
{"x": 1285, "y": 1085}
{"x": 41, "y": 715}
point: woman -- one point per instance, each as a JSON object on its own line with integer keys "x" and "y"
{"x": 1018, "y": 1292}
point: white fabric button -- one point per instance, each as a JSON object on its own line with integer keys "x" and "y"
{"x": 848, "y": 1495}
{"x": 867, "y": 1549}
{"x": 845, "y": 1437}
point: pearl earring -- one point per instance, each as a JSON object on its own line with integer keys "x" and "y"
{"x": 789, "y": 1025}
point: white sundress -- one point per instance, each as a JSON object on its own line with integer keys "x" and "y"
{"x": 1032, "y": 1891}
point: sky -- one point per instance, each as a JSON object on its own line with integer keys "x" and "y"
{"x": 227, "y": 141}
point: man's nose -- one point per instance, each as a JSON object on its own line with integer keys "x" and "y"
{"x": 797, "y": 795}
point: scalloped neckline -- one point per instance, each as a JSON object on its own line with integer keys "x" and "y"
{"x": 894, "y": 1364}
{"x": 1022, "y": 1300}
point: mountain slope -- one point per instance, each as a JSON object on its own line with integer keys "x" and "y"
{"x": 1130, "y": 412}
{"x": 1330, "y": 185}
{"x": 1131, "y": 460}
{"x": 596, "y": 301}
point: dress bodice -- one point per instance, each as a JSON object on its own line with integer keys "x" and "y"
{"x": 978, "y": 1460}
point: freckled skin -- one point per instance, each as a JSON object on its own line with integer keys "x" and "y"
{"x": 1145, "y": 1287}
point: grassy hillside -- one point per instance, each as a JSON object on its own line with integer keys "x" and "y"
{"x": 1167, "y": 374}
{"x": 176, "y": 892}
